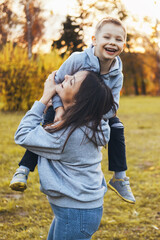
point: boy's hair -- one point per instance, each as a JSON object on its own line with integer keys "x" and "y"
{"x": 113, "y": 20}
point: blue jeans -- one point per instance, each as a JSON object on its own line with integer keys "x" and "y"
{"x": 74, "y": 224}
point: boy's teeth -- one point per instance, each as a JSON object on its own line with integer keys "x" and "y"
{"x": 110, "y": 50}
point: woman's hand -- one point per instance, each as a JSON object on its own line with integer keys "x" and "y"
{"x": 49, "y": 89}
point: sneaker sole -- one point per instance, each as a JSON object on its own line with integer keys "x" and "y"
{"x": 112, "y": 188}
{"x": 18, "y": 186}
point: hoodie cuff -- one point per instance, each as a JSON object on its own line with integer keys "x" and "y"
{"x": 38, "y": 107}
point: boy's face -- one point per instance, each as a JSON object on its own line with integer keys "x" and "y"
{"x": 109, "y": 41}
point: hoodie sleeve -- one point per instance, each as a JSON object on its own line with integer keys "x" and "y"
{"x": 31, "y": 135}
{"x": 106, "y": 132}
{"x": 69, "y": 67}
{"x": 116, "y": 95}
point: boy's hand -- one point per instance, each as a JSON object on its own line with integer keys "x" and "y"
{"x": 48, "y": 105}
{"x": 59, "y": 113}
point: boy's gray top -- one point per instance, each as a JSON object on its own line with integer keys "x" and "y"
{"x": 73, "y": 178}
{"x": 86, "y": 60}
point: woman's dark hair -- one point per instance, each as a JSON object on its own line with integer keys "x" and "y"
{"x": 93, "y": 100}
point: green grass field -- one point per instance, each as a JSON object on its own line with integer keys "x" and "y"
{"x": 26, "y": 216}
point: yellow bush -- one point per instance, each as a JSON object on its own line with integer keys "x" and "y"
{"x": 22, "y": 79}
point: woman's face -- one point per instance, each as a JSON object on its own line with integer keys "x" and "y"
{"x": 70, "y": 86}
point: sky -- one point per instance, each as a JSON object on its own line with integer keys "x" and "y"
{"x": 140, "y": 7}
{"x": 143, "y": 7}
{"x": 57, "y": 10}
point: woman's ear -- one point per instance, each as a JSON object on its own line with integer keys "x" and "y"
{"x": 94, "y": 40}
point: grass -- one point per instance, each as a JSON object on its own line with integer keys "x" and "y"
{"x": 28, "y": 215}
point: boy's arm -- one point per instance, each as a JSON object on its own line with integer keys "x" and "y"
{"x": 69, "y": 67}
{"x": 49, "y": 114}
{"x": 116, "y": 95}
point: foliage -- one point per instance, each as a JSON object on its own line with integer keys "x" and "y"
{"x": 7, "y": 20}
{"x": 150, "y": 59}
{"x": 135, "y": 77}
{"x": 154, "y": 51}
{"x": 22, "y": 79}
{"x": 114, "y": 7}
{"x": 139, "y": 73}
{"x": 28, "y": 215}
{"x": 71, "y": 39}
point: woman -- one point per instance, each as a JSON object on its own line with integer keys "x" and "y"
{"x": 69, "y": 162}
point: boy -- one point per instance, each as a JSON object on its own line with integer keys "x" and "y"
{"x": 101, "y": 57}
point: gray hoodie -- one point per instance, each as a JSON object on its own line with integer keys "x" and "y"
{"x": 73, "y": 178}
{"x": 86, "y": 60}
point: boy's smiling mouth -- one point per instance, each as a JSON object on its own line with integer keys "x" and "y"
{"x": 112, "y": 50}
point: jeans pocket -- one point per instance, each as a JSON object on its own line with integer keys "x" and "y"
{"x": 90, "y": 220}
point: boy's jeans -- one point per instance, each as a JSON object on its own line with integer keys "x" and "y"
{"x": 72, "y": 223}
{"x": 116, "y": 146}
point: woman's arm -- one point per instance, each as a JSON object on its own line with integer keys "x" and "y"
{"x": 31, "y": 135}
{"x": 49, "y": 89}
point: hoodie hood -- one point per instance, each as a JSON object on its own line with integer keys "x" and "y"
{"x": 94, "y": 63}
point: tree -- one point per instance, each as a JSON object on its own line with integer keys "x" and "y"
{"x": 71, "y": 39}
{"x": 138, "y": 74}
{"x": 7, "y": 20}
{"x": 156, "y": 51}
{"x": 33, "y": 26}
{"x": 32, "y": 23}
{"x": 150, "y": 44}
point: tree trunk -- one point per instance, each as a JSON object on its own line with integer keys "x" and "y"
{"x": 29, "y": 30}
{"x": 143, "y": 87}
{"x": 136, "y": 86}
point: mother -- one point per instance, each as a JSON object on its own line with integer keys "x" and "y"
{"x": 69, "y": 162}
